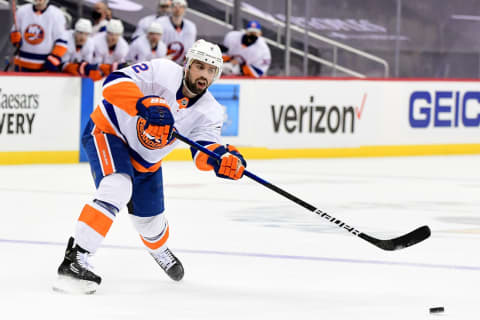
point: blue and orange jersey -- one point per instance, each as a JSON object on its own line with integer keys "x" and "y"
{"x": 200, "y": 118}
{"x": 43, "y": 33}
{"x": 254, "y": 59}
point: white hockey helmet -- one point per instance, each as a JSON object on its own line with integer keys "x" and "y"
{"x": 115, "y": 26}
{"x": 206, "y": 52}
{"x": 83, "y": 25}
{"x": 182, "y": 3}
{"x": 155, "y": 27}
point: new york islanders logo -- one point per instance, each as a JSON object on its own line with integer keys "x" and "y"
{"x": 175, "y": 50}
{"x": 147, "y": 141}
{"x": 34, "y": 34}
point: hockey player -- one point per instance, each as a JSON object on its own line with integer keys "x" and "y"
{"x": 164, "y": 8}
{"x": 178, "y": 33}
{"x": 109, "y": 53}
{"x": 110, "y": 47}
{"x": 246, "y": 52}
{"x": 100, "y": 17}
{"x": 40, "y": 38}
{"x": 127, "y": 137}
{"x": 149, "y": 46}
{"x": 80, "y": 47}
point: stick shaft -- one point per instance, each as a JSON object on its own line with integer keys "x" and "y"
{"x": 273, "y": 187}
{"x": 17, "y": 48}
{"x": 14, "y": 13}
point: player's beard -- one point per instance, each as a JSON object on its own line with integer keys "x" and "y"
{"x": 193, "y": 85}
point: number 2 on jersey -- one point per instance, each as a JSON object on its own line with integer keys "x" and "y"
{"x": 140, "y": 67}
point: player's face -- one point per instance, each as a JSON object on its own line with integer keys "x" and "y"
{"x": 40, "y": 4}
{"x": 112, "y": 39}
{"x": 200, "y": 76}
{"x": 164, "y": 9}
{"x": 153, "y": 38}
{"x": 80, "y": 38}
{"x": 178, "y": 10}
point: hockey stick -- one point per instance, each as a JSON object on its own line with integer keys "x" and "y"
{"x": 404, "y": 241}
{"x": 17, "y": 48}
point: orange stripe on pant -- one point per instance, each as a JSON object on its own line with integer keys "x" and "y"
{"x": 159, "y": 243}
{"x": 104, "y": 154}
{"x": 95, "y": 219}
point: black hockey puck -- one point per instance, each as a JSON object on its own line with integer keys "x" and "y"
{"x": 437, "y": 310}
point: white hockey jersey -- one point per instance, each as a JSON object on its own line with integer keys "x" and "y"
{"x": 102, "y": 54}
{"x": 43, "y": 33}
{"x": 178, "y": 40}
{"x": 255, "y": 59}
{"x": 100, "y": 27}
{"x": 143, "y": 25}
{"x": 74, "y": 54}
{"x": 199, "y": 118}
{"x": 140, "y": 50}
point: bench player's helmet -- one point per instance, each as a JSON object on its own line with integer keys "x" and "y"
{"x": 83, "y": 25}
{"x": 206, "y": 52}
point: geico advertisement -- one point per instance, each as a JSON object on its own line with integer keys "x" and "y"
{"x": 308, "y": 114}
{"x": 39, "y": 113}
{"x": 435, "y": 112}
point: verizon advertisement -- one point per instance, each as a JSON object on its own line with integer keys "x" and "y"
{"x": 296, "y": 114}
{"x": 39, "y": 113}
{"x": 307, "y": 114}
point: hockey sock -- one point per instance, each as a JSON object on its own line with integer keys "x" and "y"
{"x": 93, "y": 224}
{"x": 154, "y": 231}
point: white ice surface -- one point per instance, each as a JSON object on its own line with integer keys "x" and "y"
{"x": 249, "y": 253}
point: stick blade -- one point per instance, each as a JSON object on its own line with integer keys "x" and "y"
{"x": 407, "y": 240}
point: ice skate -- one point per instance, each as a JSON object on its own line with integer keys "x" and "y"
{"x": 74, "y": 273}
{"x": 169, "y": 263}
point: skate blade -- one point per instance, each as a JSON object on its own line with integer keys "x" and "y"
{"x": 68, "y": 285}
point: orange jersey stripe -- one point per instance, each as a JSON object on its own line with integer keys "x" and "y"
{"x": 95, "y": 219}
{"x": 59, "y": 50}
{"x": 28, "y": 65}
{"x": 123, "y": 95}
{"x": 106, "y": 160}
{"x": 201, "y": 158}
{"x": 141, "y": 168}
{"x": 101, "y": 121}
{"x": 159, "y": 243}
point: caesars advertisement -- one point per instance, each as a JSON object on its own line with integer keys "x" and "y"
{"x": 39, "y": 114}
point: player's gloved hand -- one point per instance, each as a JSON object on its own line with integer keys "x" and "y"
{"x": 90, "y": 70}
{"x": 85, "y": 68}
{"x": 16, "y": 38}
{"x": 117, "y": 66}
{"x": 230, "y": 68}
{"x": 232, "y": 164}
{"x": 159, "y": 119}
{"x": 52, "y": 63}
